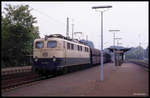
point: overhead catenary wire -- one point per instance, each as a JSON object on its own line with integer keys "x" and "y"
{"x": 56, "y": 20}
{"x": 51, "y": 19}
{"x": 45, "y": 14}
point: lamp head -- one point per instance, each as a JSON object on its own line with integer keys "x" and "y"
{"x": 97, "y": 7}
{"x": 113, "y": 30}
{"x": 101, "y": 8}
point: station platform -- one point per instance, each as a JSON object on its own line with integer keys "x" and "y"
{"x": 126, "y": 80}
{"x": 13, "y": 70}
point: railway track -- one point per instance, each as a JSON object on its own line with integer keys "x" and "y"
{"x": 10, "y": 81}
{"x": 16, "y": 76}
{"x": 16, "y": 79}
{"x": 141, "y": 63}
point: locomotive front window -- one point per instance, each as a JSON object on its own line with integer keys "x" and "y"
{"x": 51, "y": 44}
{"x": 39, "y": 45}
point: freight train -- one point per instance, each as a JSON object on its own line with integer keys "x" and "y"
{"x": 56, "y": 53}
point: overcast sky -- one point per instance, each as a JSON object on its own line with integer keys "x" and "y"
{"x": 131, "y": 18}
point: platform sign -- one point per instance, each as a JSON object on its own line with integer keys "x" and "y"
{"x": 119, "y": 52}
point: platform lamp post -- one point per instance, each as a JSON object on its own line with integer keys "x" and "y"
{"x": 101, "y": 9}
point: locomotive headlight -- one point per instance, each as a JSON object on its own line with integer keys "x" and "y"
{"x": 54, "y": 59}
{"x": 36, "y": 59}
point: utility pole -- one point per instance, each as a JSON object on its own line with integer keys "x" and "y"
{"x": 114, "y": 40}
{"x": 118, "y": 40}
{"x": 77, "y": 33}
{"x": 139, "y": 47}
{"x": 86, "y": 37}
{"x": 67, "y": 28}
{"x": 72, "y": 30}
{"x": 140, "y": 50}
{"x": 114, "y": 45}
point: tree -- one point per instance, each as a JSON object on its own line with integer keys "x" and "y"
{"x": 135, "y": 53}
{"x": 17, "y": 34}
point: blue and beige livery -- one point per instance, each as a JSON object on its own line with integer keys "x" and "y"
{"x": 56, "y": 52}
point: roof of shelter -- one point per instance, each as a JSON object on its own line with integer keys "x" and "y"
{"x": 119, "y": 49}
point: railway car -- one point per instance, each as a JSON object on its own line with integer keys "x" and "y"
{"x": 56, "y": 52}
{"x": 95, "y": 56}
{"x": 107, "y": 57}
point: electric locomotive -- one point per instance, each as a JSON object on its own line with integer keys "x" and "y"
{"x": 56, "y": 52}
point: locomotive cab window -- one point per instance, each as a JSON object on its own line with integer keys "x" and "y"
{"x": 78, "y": 48}
{"x": 81, "y": 48}
{"x": 72, "y": 46}
{"x": 51, "y": 44}
{"x": 39, "y": 45}
{"x": 68, "y": 45}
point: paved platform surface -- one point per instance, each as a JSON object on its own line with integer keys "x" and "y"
{"x": 126, "y": 80}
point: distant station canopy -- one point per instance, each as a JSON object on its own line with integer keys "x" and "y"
{"x": 118, "y": 54}
{"x": 119, "y": 49}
